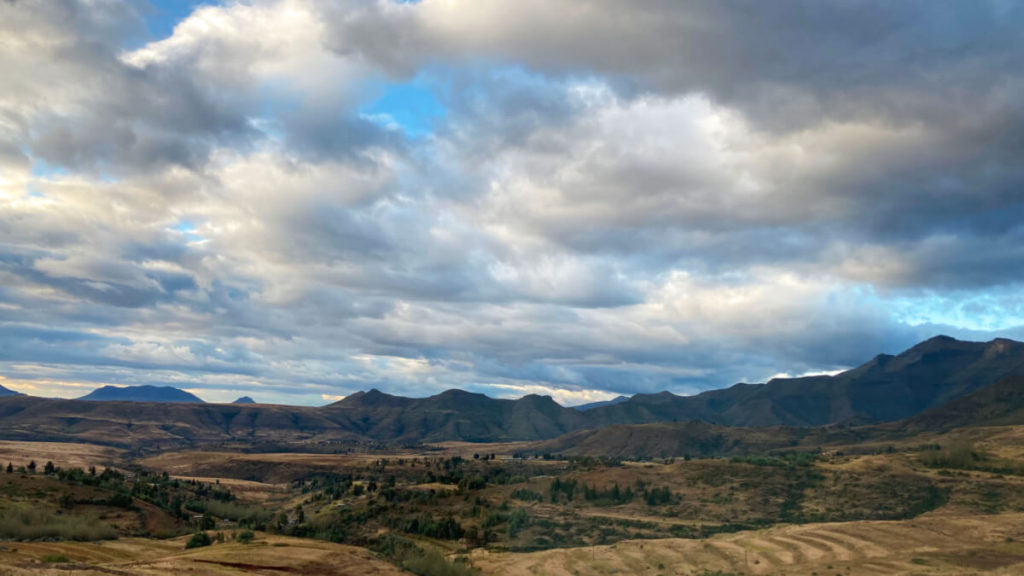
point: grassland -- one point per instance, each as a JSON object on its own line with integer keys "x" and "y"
{"x": 915, "y": 506}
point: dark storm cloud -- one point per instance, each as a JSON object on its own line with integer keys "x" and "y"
{"x": 796, "y": 59}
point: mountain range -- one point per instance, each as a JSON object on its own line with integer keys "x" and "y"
{"x": 936, "y": 381}
{"x": 884, "y": 389}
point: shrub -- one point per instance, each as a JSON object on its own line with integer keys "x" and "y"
{"x": 246, "y": 536}
{"x": 433, "y": 563}
{"x": 198, "y": 540}
{"x": 527, "y": 495}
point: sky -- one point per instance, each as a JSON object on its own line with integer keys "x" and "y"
{"x": 299, "y": 199}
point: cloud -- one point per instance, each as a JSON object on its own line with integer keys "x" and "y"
{"x": 616, "y": 199}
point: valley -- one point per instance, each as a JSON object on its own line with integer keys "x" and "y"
{"x": 442, "y": 509}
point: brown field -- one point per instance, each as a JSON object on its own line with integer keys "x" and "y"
{"x": 65, "y": 455}
{"x": 267, "y": 555}
{"x": 933, "y": 544}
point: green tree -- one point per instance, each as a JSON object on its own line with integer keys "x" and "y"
{"x": 198, "y": 540}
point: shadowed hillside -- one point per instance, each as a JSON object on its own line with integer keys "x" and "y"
{"x": 887, "y": 388}
{"x": 454, "y": 414}
{"x": 1000, "y": 404}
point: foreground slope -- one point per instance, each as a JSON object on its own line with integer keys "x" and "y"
{"x": 149, "y": 557}
{"x": 939, "y": 545}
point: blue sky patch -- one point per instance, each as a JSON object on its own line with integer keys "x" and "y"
{"x": 163, "y": 15}
{"x": 412, "y": 105}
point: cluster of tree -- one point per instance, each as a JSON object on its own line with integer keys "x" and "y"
{"x": 611, "y": 496}
{"x": 790, "y": 459}
{"x": 446, "y": 528}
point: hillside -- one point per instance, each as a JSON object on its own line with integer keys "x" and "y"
{"x": 886, "y": 388}
{"x": 140, "y": 394}
{"x": 997, "y": 405}
{"x": 371, "y": 416}
{"x": 453, "y": 415}
{"x": 161, "y": 425}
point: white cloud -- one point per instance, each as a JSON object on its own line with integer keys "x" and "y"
{"x": 616, "y": 199}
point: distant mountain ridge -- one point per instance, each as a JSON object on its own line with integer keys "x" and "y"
{"x": 141, "y": 394}
{"x": 8, "y": 392}
{"x": 453, "y": 414}
{"x": 886, "y": 388}
{"x": 592, "y": 405}
{"x": 920, "y": 381}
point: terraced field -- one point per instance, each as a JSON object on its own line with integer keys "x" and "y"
{"x": 270, "y": 556}
{"x": 941, "y": 545}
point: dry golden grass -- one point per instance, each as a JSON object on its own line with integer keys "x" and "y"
{"x": 267, "y": 555}
{"x": 63, "y": 454}
{"x": 941, "y": 545}
{"x": 186, "y": 463}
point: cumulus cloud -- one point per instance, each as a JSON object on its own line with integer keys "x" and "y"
{"x": 614, "y": 198}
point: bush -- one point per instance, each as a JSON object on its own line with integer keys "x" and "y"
{"x": 240, "y": 513}
{"x": 961, "y": 456}
{"x": 198, "y": 540}
{"x": 527, "y": 495}
{"x": 433, "y": 563}
{"x": 246, "y": 536}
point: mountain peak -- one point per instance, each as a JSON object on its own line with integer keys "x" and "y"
{"x": 371, "y": 398}
{"x": 144, "y": 393}
{"x": 244, "y": 400}
{"x": 8, "y": 392}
